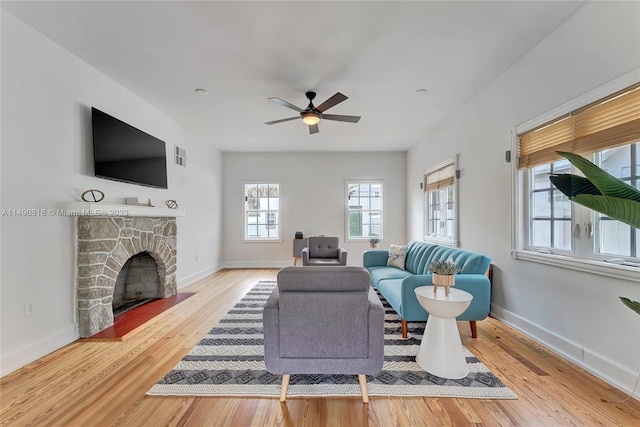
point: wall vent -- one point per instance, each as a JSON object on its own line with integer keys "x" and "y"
{"x": 181, "y": 157}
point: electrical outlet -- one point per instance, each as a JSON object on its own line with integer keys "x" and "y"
{"x": 29, "y": 309}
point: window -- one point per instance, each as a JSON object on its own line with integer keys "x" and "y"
{"x": 364, "y": 210}
{"x": 607, "y": 132}
{"x": 440, "y": 203}
{"x": 262, "y": 212}
{"x": 550, "y": 210}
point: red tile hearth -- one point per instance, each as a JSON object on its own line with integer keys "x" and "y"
{"x": 126, "y": 322}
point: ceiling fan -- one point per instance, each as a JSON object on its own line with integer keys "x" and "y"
{"x": 312, "y": 115}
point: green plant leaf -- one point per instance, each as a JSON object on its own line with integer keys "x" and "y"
{"x": 627, "y": 211}
{"x": 633, "y": 305}
{"x": 572, "y": 185}
{"x": 608, "y": 184}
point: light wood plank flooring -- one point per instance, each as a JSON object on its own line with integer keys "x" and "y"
{"x": 104, "y": 383}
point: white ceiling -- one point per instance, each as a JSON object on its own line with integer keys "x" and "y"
{"x": 376, "y": 53}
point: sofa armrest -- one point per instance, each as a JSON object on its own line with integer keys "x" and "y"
{"x": 305, "y": 255}
{"x": 271, "y": 330}
{"x": 342, "y": 256}
{"x": 376, "y": 332}
{"x": 375, "y": 258}
{"x": 477, "y": 285}
{"x": 408, "y": 297}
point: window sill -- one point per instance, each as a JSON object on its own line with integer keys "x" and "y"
{"x": 601, "y": 268}
{"x": 262, "y": 240}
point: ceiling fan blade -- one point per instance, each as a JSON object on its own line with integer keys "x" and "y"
{"x": 285, "y": 104}
{"x": 341, "y": 118}
{"x": 313, "y": 129}
{"x": 281, "y": 120}
{"x": 334, "y": 100}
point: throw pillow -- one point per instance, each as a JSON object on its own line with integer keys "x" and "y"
{"x": 396, "y": 256}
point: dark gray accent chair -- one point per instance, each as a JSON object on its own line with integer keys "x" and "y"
{"x": 324, "y": 251}
{"x": 323, "y": 320}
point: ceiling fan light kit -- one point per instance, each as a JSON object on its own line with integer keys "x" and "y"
{"x": 312, "y": 115}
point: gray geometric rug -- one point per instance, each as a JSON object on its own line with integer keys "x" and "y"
{"x": 229, "y": 361}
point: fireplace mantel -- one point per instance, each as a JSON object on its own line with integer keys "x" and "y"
{"x": 103, "y": 209}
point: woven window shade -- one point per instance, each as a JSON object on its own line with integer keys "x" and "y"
{"x": 439, "y": 178}
{"x": 607, "y": 123}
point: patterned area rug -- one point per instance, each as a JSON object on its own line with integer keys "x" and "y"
{"x": 229, "y": 362}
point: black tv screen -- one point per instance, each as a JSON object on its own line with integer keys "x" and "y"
{"x": 124, "y": 153}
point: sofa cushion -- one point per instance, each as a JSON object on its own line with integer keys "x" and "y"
{"x": 421, "y": 254}
{"x": 323, "y": 279}
{"x": 323, "y": 247}
{"x": 324, "y": 261}
{"x": 396, "y": 256}
{"x": 383, "y": 272}
{"x": 391, "y": 289}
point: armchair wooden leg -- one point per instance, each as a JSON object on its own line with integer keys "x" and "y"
{"x": 405, "y": 329}
{"x": 362, "y": 379}
{"x": 285, "y": 385}
{"x": 474, "y": 329}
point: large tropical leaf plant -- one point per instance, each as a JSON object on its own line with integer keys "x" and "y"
{"x": 602, "y": 192}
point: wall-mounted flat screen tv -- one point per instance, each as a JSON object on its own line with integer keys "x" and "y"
{"x": 124, "y": 153}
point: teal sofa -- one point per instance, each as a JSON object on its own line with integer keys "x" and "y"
{"x": 397, "y": 285}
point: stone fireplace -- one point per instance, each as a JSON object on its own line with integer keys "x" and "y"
{"x": 106, "y": 246}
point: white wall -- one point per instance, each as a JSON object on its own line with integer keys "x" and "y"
{"x": 576, "y": 313}
{"x": 47, "y": 161}
{"x": 312, "y": 189}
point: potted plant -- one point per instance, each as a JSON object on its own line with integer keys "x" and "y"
{"x": 373, "y": 241}
{"x": 443, "y": 274}
{"x": 602, "y": 192}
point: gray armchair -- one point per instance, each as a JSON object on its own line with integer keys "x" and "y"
{"x": 324, "y": 251}
{"x": 323, "y": 320}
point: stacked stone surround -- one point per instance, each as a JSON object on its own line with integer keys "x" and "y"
{"x": 104, "y": 246}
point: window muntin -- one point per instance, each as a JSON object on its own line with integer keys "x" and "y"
{"x": 614, "y": 237}
{"x": 364, "y": 210}
{"x": 550, "y": 210}
{"x": 262, "y": 212}
{"x": 433, "y": 212}
{"x": 440, "y": 210}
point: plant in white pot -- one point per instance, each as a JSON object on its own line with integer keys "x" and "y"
{"x": 443, "y": 274}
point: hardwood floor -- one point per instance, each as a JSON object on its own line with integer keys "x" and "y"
{"x": 104, "y": 383}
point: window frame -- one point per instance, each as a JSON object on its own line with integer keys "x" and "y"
{"x": 520, "y": 200}
{"x": 268, "y": 212}
{"x": 348, "y": 210}
{"x": 440, "y": 238}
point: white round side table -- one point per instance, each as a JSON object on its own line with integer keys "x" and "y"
{"x": 441, "y": 352}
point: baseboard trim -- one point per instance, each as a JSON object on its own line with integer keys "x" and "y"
{"x": 193, "y": 278}
{"x": 32, "y": 352}
{"x": 602, "y": 367}
{"x": 257, "y": 264}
